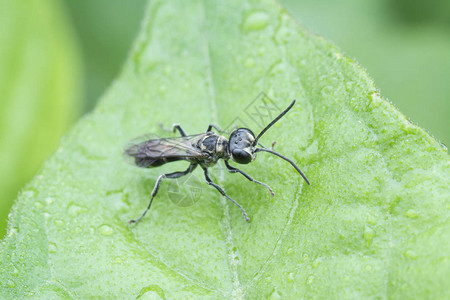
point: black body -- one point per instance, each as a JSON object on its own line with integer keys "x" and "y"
{"x": 202, "y": 149}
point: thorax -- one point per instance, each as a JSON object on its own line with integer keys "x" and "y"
{"x": 213, "y": 147}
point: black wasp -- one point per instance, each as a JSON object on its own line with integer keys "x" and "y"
{"x": 203, "y": 149}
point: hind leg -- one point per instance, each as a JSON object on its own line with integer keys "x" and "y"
{"x": 156, "y": 188}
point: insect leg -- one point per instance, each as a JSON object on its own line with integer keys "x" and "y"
{"x": 210, "y": 182}
{"x": 156, "y": 187}
{"x": 174, "y": 127}
{"x": 236, "y": 170}
{"x": 211, "y": 126}
{"x": 180, "y": 130}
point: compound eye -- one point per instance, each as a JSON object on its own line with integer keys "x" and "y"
{"x": 240, "y": 156}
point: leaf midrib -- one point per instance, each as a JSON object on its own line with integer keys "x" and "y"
{"x": 237, "y": 289}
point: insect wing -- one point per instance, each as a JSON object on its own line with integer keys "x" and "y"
{"x": 145, "y": 150}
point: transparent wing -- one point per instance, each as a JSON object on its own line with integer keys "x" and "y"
{"x": 146, "y": 150}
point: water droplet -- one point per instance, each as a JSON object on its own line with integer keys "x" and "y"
{"x": 275, "y": 295}
{"x": 371, "y": 219}
{"x": 11, "y": 284}
{"x": 338, "y": 55}
{"x": 376, "y": 96}
{"x": 310, "y": 279}
{"x": 290, "y": 277}
{"x": 78, "y": 229}
{"x": 28, "y": 194}
{"x": 268, "y": 279}
{"x": 52, "y": 247}
{"x": 236, "y": 259}
{"x": 75, "y": 210}
{"x": 411, "y": 213}
{"x": 118, "y": 260}
{"x": 326, "y": 91}
{"x": 106, "y": 230}
{"x": 59, "y": 223}
{"x": 38, "y": 205}
{"x": 369, "y": 234}
{"x": 316, "y": 262}
{"x": 290, "y": 251}
{"x": 15, "y": 271}
{"x": 49, "y": 200}
{"x": 256, "y": 21}
{"x": 151, "y": 292}
{"x": 284, "y": 35}
{"x": 411, "y": 254}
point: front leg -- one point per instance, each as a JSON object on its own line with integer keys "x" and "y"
{"x": 210, "y": 182}
{"x": 236, "y": 170}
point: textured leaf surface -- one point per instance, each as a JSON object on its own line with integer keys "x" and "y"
{"x": 374, "y": 222}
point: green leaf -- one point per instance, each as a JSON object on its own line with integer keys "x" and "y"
{"x": 39, "y": 82}
{"x": 373, "y": 223}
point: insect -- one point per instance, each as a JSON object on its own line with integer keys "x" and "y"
{"x": 203, "y": 150}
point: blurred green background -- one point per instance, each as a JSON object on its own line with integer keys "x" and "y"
{"x": 58, "y": 57}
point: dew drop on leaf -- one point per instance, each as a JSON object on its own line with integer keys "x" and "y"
{"x": 411, "y": 213}
{"x": 59, "y": 223}
{"x": 75, "y": 210}
{"x": 106, "y": 230}
{"x": 151, "y": 292}
{"x": 118, "y": 260}
{"x": 49, "y": 200}
{"x": 15, "y": 271}
{"x": 52, "y": 247}
{"x": 316, "y": 263}
{"x": 11, "y": 284}
{"x": 369, "y": 234}
{"x": 275, "y": 295}
{"x": 38, "y": 205}
{"x": 411, "y": 254}
{"x": 256, "y": 21}
{"x": 28, "y": 194}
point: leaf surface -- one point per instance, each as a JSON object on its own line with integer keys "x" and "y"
{"x": 373, "y": 223}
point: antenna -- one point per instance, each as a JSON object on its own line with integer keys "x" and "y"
{"x": 286, "y": 159}
{"x": 273, "y": 122}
